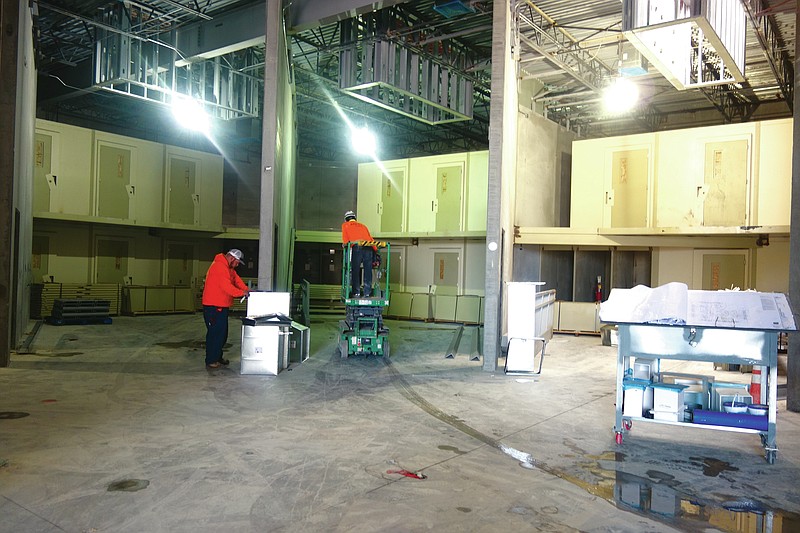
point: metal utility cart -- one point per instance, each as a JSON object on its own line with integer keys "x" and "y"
{"x": 717, "y": 345}
{"x": 733, "y": 327}
{"x": 362, "y": 331}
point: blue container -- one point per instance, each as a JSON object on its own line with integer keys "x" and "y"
{"x": 733, "y": 420}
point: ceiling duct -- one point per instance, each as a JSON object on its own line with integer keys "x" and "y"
{"x": 389, "y": 75}
{"x": 693, "y": 44}
{"x": 453, "y": 8}
{"x": 631, "y": 61}
{"x": 136, "y": 66}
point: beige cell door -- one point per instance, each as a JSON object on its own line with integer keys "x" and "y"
{"x": 180, "y": 264}
{"x": 182, "y": 181}
{"x": 392, "y": 200}
{"x": 723, "y": 271}
{"x": 726, "y": 171}
{"x": 42, "y": 173}
{"x": 397, "y": 268}
{"x": 446, "y": 272}
{"x": 40, "y": 259}
{"x": 112, "y": 261}
{"x": 449, "y": 185}
{"x": 113, "y": 181}
{"x": 629, "y": 183}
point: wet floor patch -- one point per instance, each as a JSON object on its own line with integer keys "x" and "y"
{"x": 713, "y": 467}
{"x": 656, "y": 498}
{"x": 665, "y": 504}
{"x": 13, "y": 415}
{"x": 453, "y": 449}
{"x": 128, "y": 485}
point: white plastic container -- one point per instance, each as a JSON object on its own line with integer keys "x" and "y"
{"x": 643, "y": 368}
{"x": 727, "y": 394}
{"x": 668, "y": 401}
{"x": 637, "y": 397}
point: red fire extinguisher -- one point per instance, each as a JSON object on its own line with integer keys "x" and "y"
{"x": 598, "y": 290}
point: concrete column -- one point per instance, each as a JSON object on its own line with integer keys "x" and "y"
{"x": 269, "y": 139}
{"x": 793, "y": 371}
{"x": 502, "y": 162}
{"x": 9, "y": 42}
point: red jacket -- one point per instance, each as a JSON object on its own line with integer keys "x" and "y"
{"x": 223, "y": 284}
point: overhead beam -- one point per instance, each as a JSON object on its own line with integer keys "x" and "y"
{"x": 243, "y": 28}
{"x": 232, "y": 31}
{"x": 773, "y": 47}
{"x": 572, "y": 59}
{"x": 305, "y": 14}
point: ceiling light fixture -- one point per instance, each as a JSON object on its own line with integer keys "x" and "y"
{"x": 363, "y": 141}
{"x": 620, "y": 96}
{"x": 189, "y": 114}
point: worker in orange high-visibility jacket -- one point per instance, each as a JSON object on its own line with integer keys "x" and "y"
{"x": 360, "y": 256}
{"x": 222, "y": 285}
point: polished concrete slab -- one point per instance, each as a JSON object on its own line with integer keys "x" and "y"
{"x": 121, "y": 428}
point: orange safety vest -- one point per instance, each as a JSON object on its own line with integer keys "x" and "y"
{"x": 354, "y": 231}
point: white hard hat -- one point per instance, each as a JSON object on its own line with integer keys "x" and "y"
{"x": 349, "y": 215}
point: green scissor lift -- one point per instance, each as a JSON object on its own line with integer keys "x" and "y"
{"x": 362, "y": 331}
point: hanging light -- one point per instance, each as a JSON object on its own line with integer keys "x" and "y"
{"x": 363, "y": 140}
{"x": 190, "y": 114}
{"x": 620, "y": 96}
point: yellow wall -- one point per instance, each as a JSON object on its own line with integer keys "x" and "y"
{"x": 772, "y": 266}
{"x": 147, "y": 169}
{"x": 72, "y": 164}
{"x": 70, "y": 222}
{"x": 678, "y": 191}
{"x": 773, "y": 202}
{"x": 419, "y": 192}
{"x": 478, "y": 172}
{"x": 419, "y": 264}
{"x": 672, "y": 264}
{"x": 590, "y": 196}
{"x": 75, "y": 163}
{"x": 208, "y": 184}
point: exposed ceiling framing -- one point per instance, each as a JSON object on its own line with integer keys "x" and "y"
{"x": 568, "y": 51}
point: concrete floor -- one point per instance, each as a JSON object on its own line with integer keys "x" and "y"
{"x": 120, "y": 428}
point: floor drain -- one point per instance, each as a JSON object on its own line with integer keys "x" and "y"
{"x": 128, "y": 485}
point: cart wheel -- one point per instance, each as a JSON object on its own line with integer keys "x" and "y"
{"x": 618, "y": 437}
{"x": 343, "y": 348}
{"x": 627, "y": 424}
{"x": 763, "y": 439}
{"x": 386, "y": 348}
{"x": 770, "y": 456}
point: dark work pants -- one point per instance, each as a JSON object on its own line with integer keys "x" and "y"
{"x": 216, "y": 319}
{"x": 361, "y": 258}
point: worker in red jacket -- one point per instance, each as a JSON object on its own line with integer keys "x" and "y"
{"x": 361, "y": 256}
{"x": 222, "y": 285}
